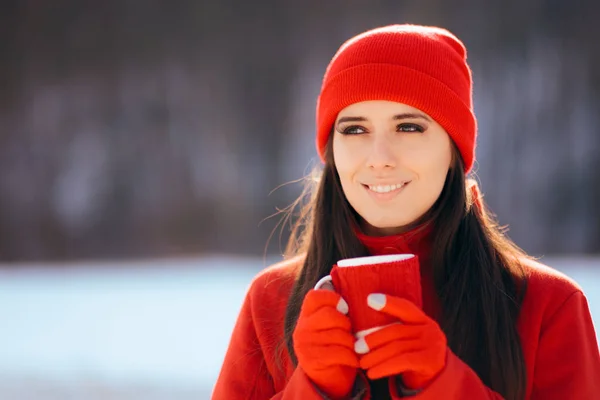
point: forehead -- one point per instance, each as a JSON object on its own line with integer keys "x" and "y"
{"x": 377, "y": 107}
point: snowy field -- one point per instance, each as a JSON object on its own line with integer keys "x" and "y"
{"x": 146, "y": 330}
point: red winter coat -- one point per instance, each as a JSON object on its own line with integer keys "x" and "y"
{"x": 555, "y": 326}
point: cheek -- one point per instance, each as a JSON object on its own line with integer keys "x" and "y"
{"x": 342, "y": 150}
{"x": 346, "y": 156}
{"x": 347, "y": 164}
{"x": 430, "y": 166}
{"x": 430, "y": 160}
{"x": 432, "y": 175}
{"x": 433, "y": 169}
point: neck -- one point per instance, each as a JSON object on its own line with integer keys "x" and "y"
{"x": 371, "y": 230}
{"x": 416, "y": 240}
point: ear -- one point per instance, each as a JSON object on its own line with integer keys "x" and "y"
{"x": 474, "y": 195}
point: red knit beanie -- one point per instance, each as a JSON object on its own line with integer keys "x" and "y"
{"x": 424, "y": 67}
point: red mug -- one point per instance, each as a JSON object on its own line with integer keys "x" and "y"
{"x": 355, "y": 278}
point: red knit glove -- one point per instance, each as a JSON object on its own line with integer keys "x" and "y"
{"x": 415, "y": 348}
{"x": 324, "y": 343}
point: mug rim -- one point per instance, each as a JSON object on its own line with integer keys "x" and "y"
{"x": 370, "y": 260}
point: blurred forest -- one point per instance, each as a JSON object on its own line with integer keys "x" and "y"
{"x": 159, "y": 128}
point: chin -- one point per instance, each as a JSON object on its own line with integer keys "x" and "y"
{"x": 387, "y": 223}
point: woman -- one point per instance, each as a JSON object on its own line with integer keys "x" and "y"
{"x": 396, "y": 132}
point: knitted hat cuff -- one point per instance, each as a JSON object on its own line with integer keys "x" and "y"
{"x": 400, "y": 84}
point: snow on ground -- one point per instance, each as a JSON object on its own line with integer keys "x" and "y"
{"x": 147, "y": 330}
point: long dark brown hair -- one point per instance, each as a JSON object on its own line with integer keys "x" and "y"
{"x": 477, "y": 274}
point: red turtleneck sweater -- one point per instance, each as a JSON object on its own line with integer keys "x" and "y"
{"x": 555, "y": 326}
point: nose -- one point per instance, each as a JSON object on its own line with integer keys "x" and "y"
{"x": 381, "y": 155}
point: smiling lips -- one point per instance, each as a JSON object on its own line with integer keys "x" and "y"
{"x": 386, "y": 188}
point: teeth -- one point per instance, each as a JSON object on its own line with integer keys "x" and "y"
{"x": 385, "y": 188}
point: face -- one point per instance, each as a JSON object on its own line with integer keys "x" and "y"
{"x": 392, "y": 160}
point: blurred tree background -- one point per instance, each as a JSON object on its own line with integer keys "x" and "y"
{"x": 159, "y": 128}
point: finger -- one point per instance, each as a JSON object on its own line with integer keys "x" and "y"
{"x": 316, "y": 299}
{"x": 391, "y": 351}
{"x": 397, "y": 365}
{"x": 327, "y": 356}
{"x": 331, "y": 337}
{"x": 398, "y": 307}
{"x": 386, "y": 335}
{"x": 320, "y": 356}
{"x": 407, "y": 362}
{"x": 388, "y": 368}
{"x": 328, "y": 318}
{"x": 324, "y": 319}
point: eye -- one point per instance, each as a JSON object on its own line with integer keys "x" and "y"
{"x": 410, "y": 128}
{"x": 352, "y": 130}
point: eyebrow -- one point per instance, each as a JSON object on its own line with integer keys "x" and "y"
{"x": 395, "y": 117}
{"x": 412, "y": 116}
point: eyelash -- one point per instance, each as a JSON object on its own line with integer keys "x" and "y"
{"x": 416, "y": 129}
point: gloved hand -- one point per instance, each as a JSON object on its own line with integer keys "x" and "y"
{"x": 324, "y": 343}
{"x": 414, "y": 348}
